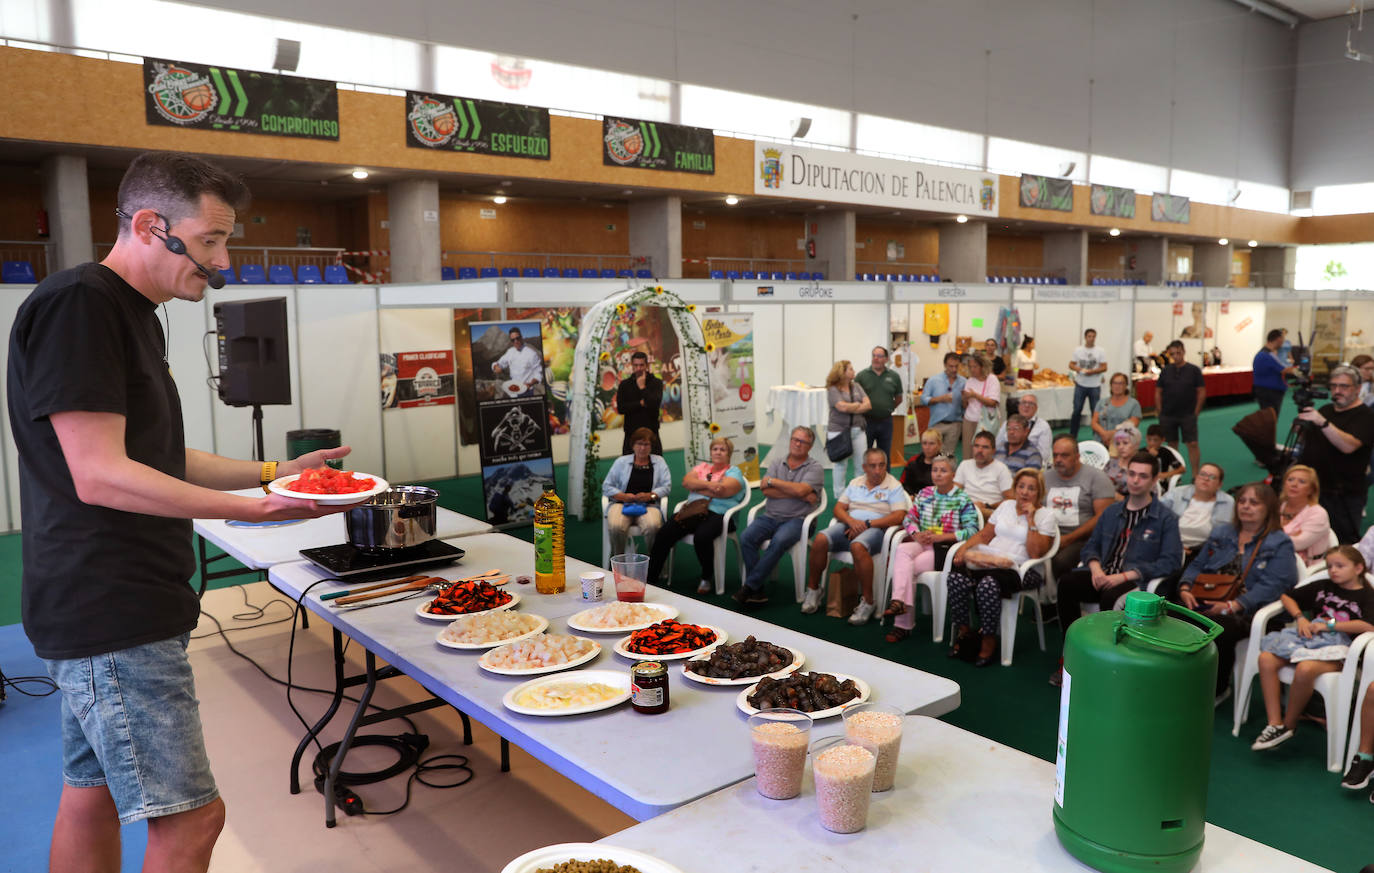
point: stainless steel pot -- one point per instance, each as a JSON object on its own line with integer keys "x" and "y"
{"x": 398, "y": 518}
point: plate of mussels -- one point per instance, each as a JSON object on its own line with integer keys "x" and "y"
{"x": 819, "y": 695}
{"x": 743, "y": 663}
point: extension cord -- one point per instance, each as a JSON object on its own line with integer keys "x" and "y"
{"x": 344, "y": 798}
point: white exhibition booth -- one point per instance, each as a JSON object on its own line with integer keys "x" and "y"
{"x": 337, "y": 333}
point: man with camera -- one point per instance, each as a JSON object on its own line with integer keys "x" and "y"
{"x": 1337, "y": 445}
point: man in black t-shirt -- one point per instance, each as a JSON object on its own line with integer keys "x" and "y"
{"x": 1337, "y": 445}
{"x": 638, "y": 399}
{"x": 1180, "y": 394}
{"x": 107, "y": 490}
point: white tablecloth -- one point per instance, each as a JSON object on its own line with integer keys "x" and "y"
{"x": 799, "y": 407}
{"x": 1056, "y": 404}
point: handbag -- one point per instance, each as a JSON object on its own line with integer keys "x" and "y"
{"x": 991, "y": 417}
{"x": 1221, "y": 587}
{"x": 691, "y": 513}
{"x": 838, "y": 447}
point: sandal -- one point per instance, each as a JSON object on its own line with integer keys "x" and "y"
{"x": 897, "y": 634}
{"x": 894, "y": 607}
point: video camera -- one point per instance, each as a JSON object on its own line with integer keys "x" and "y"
{"x": 1304, "y": 392}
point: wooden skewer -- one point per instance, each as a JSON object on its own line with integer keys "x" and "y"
{"x": 336, "y": 594}
{"x": 422, "y": 582}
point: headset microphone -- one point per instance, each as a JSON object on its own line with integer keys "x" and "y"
{"x": 214, "y": 278}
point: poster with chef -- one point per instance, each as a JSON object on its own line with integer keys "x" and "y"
{"x": 411, "y": 379}
{"x": 730, "y": 359}
{"x": 513, "y": 419}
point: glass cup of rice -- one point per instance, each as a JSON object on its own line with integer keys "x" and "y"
{"x": 780, "y": 738}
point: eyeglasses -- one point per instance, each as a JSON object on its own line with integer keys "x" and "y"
{"x": 802, "y": 441}
{"x": 1206, "y": 476}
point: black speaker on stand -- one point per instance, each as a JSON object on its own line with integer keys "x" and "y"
{"x": 254, "y": 357}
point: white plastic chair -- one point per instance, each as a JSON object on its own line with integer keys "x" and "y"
{"x": 797, "y": 552}
{"x": 1011, "y": 606}
{"x": 1331, "y": 542}
{"x": 634, "y": 528}
{"x": 721, "y": 541}
{"x": 1093, "y": 454}
{"x": 930, "y": 584}
{"x": 1366, "y": 674}
{"x": 1336, "y": 689}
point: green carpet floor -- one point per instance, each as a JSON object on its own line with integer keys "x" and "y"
{"x": 1283, "y": 798}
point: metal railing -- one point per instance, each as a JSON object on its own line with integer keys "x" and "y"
{"x": 1037, "y": 272}
{"x": 38, "y": 254}
{"x": 903, "y": 268}
{"x": 541, "y": 261}
{"x": 702, "y": 268}
{"x": 1275, "y": 279}
{"x": 294, "y": 257}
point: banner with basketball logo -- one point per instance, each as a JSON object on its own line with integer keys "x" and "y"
{"x": 1046, "y": 192}
{"x": 485, "y": 127}
{"x": 1109, "y": 200}
{"x": 653, "y": 145}
{"x": 1170, "y": 207}
{"x": 179, "y": 94}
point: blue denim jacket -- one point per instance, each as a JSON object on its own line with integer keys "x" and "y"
{"x": 1154, "y": 548}
{"x": 1275, "y": 570}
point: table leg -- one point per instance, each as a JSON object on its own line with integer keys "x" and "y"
{"x": 314, "y": 730}
{"x": 505, "y": 756}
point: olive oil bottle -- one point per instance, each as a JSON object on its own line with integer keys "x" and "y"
{"x": 550, "y": 576}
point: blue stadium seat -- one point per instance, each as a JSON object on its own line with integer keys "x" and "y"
{"x": 252, "y": 274}
{"x": 335, "y": 274}
{"x": 792, "y": 277}
{"x": 309, "y": 274}
{"x": 934, "y": 277}
{"x": 17, "y": 272}
{"x": 281, "y": 274}
{"x": 804, "y": 276}
{"x": 732, "y": 275}
{"x": 589, "y": 273}
{"x": 467, "y": 272}
{"x": 489, "y": 273}
{"x": 748, "y": 274}
{"x": 530, "y": 273}
{"x": 229, "y": 277}
{"x": 717, "y": 274}
{"x": 644, "y": 274}
{"x": 446, "y": 274}
{"x": 858, "y": 277}
{"x": 607, "y": 273}
{"x": 778, "y": 277}
{"x": 551, "y": 273}
{"x": 510, "y": 273}
{"x": 571, "y": 273}
{"x": 866, "y": 277}
{"x": 624, "y": 274}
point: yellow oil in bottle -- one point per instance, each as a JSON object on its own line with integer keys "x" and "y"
{"x": 550, "y": 575}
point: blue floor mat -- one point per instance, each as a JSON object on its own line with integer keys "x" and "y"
{"x": 31, "y": 759}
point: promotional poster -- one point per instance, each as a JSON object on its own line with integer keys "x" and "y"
{"x": 730, "y": 357}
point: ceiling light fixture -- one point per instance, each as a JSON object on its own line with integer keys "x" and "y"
{"x": 1116, "y": 231}
{"x": 1223, "y": 242}
{"x": 731, "y": 200}
{"x": 360, "y": 174}
{"x": 1252, "y": 243}
{"x": 962, "y": 219}
{"x": 499, "y": 199}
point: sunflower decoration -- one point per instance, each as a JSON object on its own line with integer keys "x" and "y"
{"x": 691, "y": 307}
{"x": 713, "y": 428}
{"x": 621, "y": 308}
{"x": 658, "y": 289}
{"x": 710, "y": 347}
{"x": 596, "y": 438}
{"x": 605, "y": 356}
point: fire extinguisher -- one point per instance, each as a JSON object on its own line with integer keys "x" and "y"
{"x": 810, "y": 248}
{"x": 42, "y": 223}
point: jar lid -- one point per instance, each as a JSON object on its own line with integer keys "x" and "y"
{"x": 1143, "y": 606}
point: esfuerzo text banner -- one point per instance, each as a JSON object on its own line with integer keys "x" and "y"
{"x": 817, "y": 174}
{"x": 484, "y": 127}
{"x": 180, "y": 94}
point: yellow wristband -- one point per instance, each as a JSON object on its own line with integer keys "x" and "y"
{"x": 269, "y": 472}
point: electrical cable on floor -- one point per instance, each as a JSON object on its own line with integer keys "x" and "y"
{"x": 407, "y": 748}
{"x": 16, "y": 682}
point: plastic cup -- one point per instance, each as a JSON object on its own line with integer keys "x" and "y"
{"x": 878, "y": 728}
{"x": 780, "y": 738}
{"x": 844, "y": 784}
{"x": 631, "y": 573}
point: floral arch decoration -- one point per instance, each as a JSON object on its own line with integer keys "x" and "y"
{"x": 592, "y": 352}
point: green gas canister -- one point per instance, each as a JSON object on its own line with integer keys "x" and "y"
{"x": 1135, "y": 737}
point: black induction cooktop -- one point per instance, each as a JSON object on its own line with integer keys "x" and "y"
{"x": 350, "y": 562}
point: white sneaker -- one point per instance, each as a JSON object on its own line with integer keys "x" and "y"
{"x": 704, "y": 587}
{"x": 812, "y": 602}
{"x": 862, "y": 613}
{"x": 1271, "y": 736}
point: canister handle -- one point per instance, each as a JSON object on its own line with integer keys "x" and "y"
{"x": 1211, "y": 630}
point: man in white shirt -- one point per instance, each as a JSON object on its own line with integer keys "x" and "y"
{"x": 865, "y": 509}
{"x": 986, "y": 479}
{"x": 1040, "y": 435}
{"x": 1077, "y": 495}
{"x": 1144, "y": 352}
{"x": 1088, "y": 364}
{"x": 523, "y": 363}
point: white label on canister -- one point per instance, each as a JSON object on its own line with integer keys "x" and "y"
{"x": 1061, "y": 748}
{"x": 649, "y": 697}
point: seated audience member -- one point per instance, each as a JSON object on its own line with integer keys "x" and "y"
{"x": 1040, "y": 435}
{"x": 941, "y": 516}
{"x": 1304, "y": 519}
{"x": 1253, "y": 548}
{"x": 1116, "y": 409}
{"x": 1125, "y": 443}
{"x": 869, "y": 505}
{"x": 1019, "y": 452}
{"x": 917, "y": 473}
{"x": 1076, "y": 494}
{"x": 1170, "y": 461}
{"x": 1199, "y": 508}
{"x": 638, "y": 478}
{"x": 791, "y": 488}
{"x": 718, "y": 481}
{"x": 1342, "y": 608}
{"x": 1021, "y": 528}
{"x": 1134, "y": 541}
{"x": 986, "y": 479}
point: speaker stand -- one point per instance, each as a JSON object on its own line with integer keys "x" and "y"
{"x": 258, "y": 454}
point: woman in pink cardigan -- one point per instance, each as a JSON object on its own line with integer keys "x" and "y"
{"x": 1304, "y": 520}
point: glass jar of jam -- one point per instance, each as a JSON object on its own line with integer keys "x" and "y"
{"x": 649, "y": 687}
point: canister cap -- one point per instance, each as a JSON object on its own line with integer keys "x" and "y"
{"x": 1143, "y": 606}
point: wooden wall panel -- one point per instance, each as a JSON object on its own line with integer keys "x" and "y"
{"x": 920, "y": 241}
{"x": 1008, "y": 254}
{"x": 533, "y": 226}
